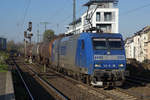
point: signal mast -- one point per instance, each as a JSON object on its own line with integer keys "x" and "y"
{"x": 28, "y": 35}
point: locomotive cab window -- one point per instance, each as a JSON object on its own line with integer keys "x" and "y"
{"x": 99, "y": 44}
{"x": 115, "y": 43}
{"x": 82, "y": 44}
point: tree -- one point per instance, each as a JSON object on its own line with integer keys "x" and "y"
{"x": 11, "y": 45}
{"x": 48, "y": 35}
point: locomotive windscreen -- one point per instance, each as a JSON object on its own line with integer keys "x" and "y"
{"x": 99, "y": 44}
{"x": 115, "y": 43}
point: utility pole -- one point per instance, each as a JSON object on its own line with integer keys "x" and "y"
{"x": 45, "y": 24}
{"x": 38, "y": 33}
{"x": 25, "y": 44}
{"x": 58, "y": 27}
{"x": 74, "y": 16}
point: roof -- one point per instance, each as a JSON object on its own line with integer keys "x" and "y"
{"x": 144, "y": 30}
{"x": 100, "y": 1}
{"x": 129, "y": 40}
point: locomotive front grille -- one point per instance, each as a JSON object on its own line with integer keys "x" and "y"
{"x": 108, "y": 75}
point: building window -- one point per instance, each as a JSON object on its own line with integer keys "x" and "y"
{"x": 145, "y": 44}
{"x": 107, "y": 16}
{"x": 106, "y": 28}
{"x": 98, "y": 14}
{"x": 138, "y": 40}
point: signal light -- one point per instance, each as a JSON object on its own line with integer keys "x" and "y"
{"x": 30, "y": 27}
{"x": 25, "y": 34}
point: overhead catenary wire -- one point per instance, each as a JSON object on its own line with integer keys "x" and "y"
{"x": 59, "y": 10}
{"x": 26, "y": 11}
{"x": 70, "y": 16}
{"x": 24, "y": 17}
{"x": 135, "y": 9}
{"x": 125, "y": 13}
{"x": 74, "y": 16}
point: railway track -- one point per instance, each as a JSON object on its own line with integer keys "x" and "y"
{"x": 114, "y": 94}
{"x": 138, "y": 81}
{"x": 50, "y": 88}
{"x": 82, "y": 95}
{"x": 25, "y": 85}
{"x": 48, "y": 85}
{"x": 122, "y": 95}
{"x": 80, "y": 85}
{"x": 137, "y": 87}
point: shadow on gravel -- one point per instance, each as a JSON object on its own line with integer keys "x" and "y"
{"x": 7, "y": 97}
{"x": 38, "y": 92}
{"x": 139, "y": 75}
{"x": 50, "y": 75}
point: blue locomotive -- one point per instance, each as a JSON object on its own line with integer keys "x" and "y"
{"x": 95, "y": 58}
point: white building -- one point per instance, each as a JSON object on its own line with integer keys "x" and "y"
{"x": 137, "y": 46}
{"x": 103, "y": 16}
{"x": 129, "y": 46}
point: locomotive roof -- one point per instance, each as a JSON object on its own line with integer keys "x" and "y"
{"x": 92, "y": 35}
{"x": 113, "y": 35}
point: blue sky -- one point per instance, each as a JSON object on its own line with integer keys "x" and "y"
{"x": 15, "y": 15}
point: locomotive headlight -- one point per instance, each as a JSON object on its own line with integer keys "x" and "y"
{"x": 97, "y": 65}
{"x": 121, "y": 65}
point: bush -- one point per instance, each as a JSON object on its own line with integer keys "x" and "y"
{"x": 3, "y": 67}
{"x": 3, "y": 57}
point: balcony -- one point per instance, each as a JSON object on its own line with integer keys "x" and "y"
{"x": 105, "y": 17}
{"x": 108, "y": 16}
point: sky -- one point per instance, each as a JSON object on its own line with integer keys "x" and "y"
{"x": 15, "y": 15}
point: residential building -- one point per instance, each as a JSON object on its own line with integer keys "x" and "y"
{"x": 129, "y": 46}
{"x": 102, "y": 14}
{"x": 138, "y": 46}
{"x": 148, "y": 50}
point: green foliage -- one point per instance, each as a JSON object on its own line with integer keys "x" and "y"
{"x": 48, "y": 35}
{"x": 11, "y": 45}
{"x": 3, "y": 57}
{"x": 3, "y": 67}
